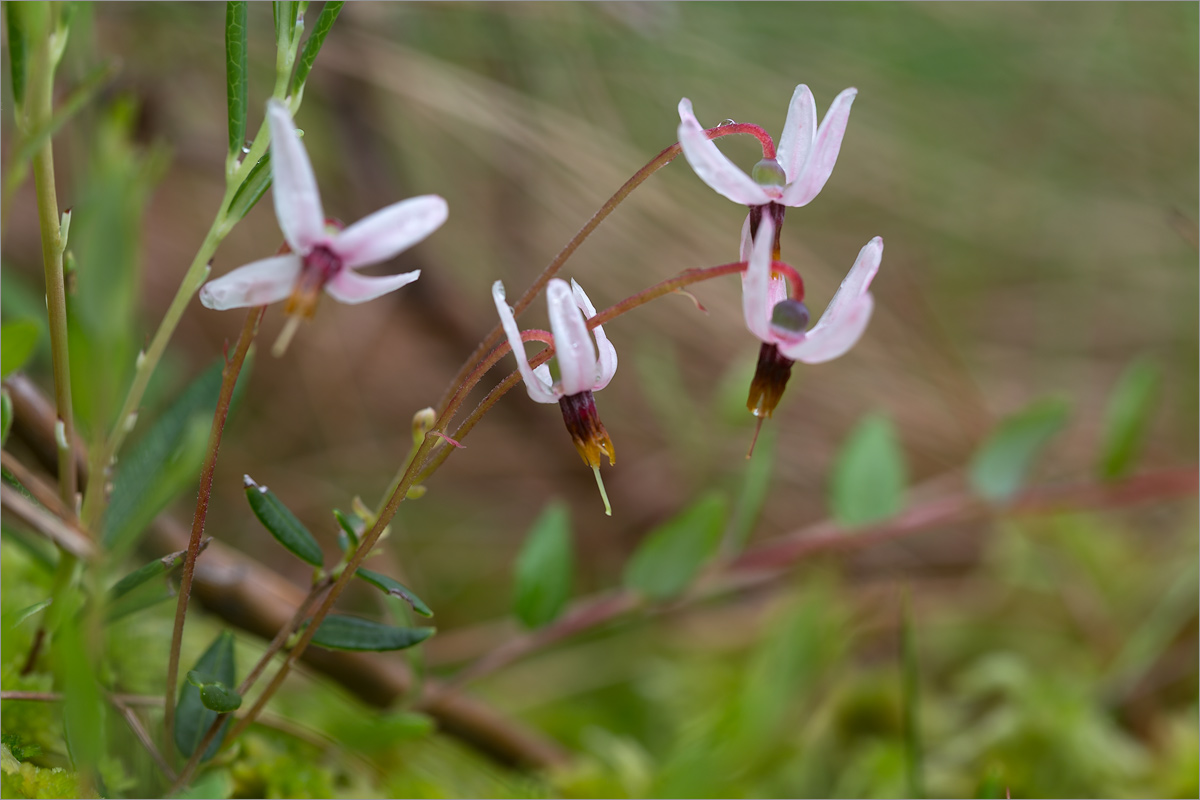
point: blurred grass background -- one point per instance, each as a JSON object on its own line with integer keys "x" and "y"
{"x": 1032, "y": 169}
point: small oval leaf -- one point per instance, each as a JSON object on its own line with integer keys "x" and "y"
{"x": 282, "y": 523}
{"x": 218, "y": 697}
{"x": 192, "y": 718}
{"x": 869, "y": 477}
{"x": 395, "y": 588}
{"x": 671, "y": 555}
{"x": 1127, "y": 416}
{"x": 543, "y": 570}
{"x": 354, "y": 633}
{"x": 1001, "y": 465}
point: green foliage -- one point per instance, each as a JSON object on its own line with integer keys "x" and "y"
{"x": 1000, "y": 466}
{"x": 19, "y": 748}
{"x": 83, "y": 707}
{"x": 236, "y": 79}
{"x": 165, "y": 461}
{"x": 147, "y": 572}
{"x": 1127, "y": 416}
{"x": 18, "y": 340}
{"x": 869, "y": 477}
{"x": 544, "y": 568}
{"x": 29, "y": 780}
{"x": 14, "y": 618}
{"x": 304, "y": 64}
{"x": 251, "y": 189}
{"x": 18, "y": 52}
{"x": 354, "y": 633}
{"x": 192, "y": 717}
{"x": 670, "y": 556}
{"x": 281, "y": 523}
{"x": 6, "y": 415}
{"x": 395, "y": 588}
{"x": 350, "y": 531}
{"x": 215, "y": 696}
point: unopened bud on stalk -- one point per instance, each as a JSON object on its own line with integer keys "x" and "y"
{"x": 422, "y": 423}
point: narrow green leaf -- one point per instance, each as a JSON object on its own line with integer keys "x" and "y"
{"x": 282, "y": 523}
{"x": 192, "y": 718}
{"x": 147, "y": 572}
{"x": 14, "y": 618}
{"x": 83, "y": 711}
{"x": 236, "y": 79}
{"x": 354, "y": 633}
{"x": 308, "y": 55}
{"x": 166, "y": 460}
{"x": 544, "y": 568}
{"x": 17, "y": 52}
{"x": 285, "y": 21}
{"x": 671, "y": 555}
{"x": 138, "y": 599}
{"x": 348, "y": 536}
{"x": 6, "y": 415}
{"x": 1127, "y": 416}
{"x": 395, "y": 589}
{"x": 1000, "y": 466}
{"x": 252, "y": 189}
{"x": 17, "y": 342}
{"x": 869, "y": 477}
{"x": 87, "y": 89}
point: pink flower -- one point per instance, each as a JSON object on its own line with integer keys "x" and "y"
{"x": 781, "y": 323}
{"x": 583, "y": 368}
{"x": 321, "y": 258}
{"x": 805, "y": 158}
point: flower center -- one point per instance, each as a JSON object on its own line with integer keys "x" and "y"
{"x": 586, "y": 429}
{"x": 768, "y": 173}
{"x": 320, "y": 266}
{"x": 789, "y": 318}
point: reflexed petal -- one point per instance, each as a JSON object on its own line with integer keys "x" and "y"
{"x": 389, "y": 231}
{"x": 777, "y": 287}
{"x": 350, "y": 287}
{"x": 256, "y": 284}
{"x": 538, "y": 387}
{"x": 297, "y": 201}
{"x": 712, "y": 166}
{"x": 799, "y": 131}
{"x": 756, "y": 281}
{"x": 827, "y": 341}
{"x": 572, "y": 342}
{"x": 606, "y": 354}
{"x": 824, "y": 152}
{"x": 847, "y": 314}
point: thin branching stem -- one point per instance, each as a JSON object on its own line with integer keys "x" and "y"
{"x": 229, "y": 377}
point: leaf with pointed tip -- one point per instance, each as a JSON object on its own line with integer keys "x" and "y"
{"x": 252, "y": 189}
{"x": 282, "y": 523}
{"x": 354, "y": 633}
{"x": 1000, "y": 466}
{"x": 192, "y": 718}
{"x": 348, "y": 536}
{"x": 236, "y": 81}
{"x": 868, "y": 479}
{"x": 157, "y": 567}
{"x": 670, "y": 556}
{"x": 308, "y": 55}
{"x": 14, "y": 618}
{"x": 394, "y": 588}
{"x": 1127, "y": 416}
{"x": 543, "y": 571}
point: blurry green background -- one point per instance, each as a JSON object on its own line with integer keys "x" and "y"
{"x": 1032, "y": 169}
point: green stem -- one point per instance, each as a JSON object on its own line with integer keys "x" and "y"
{"x": 229, "y": 377}
{"x": 40, "y": 96}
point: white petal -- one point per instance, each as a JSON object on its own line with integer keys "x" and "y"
{"x": 389, "y": 231}
{"x": 538, "y": 388}
{"x": 824, "y": 153}
{"x": 606, "y": 354}
{"x": 256, "y": 284}
{"x": 572, "y": 342}
{"x": 833, "y": 340}
{"x": 848, "y": 312}
{"x": 713, "y": 167}
{"x": 297, "y": 201}
{"x": 350, "y": 287}
{"x": 756, "y": 280}
{"x": 799, "y": 131}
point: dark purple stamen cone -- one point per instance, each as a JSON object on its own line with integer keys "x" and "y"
{"x": 586, "y": 429}
{"x": 770, "y": 379}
